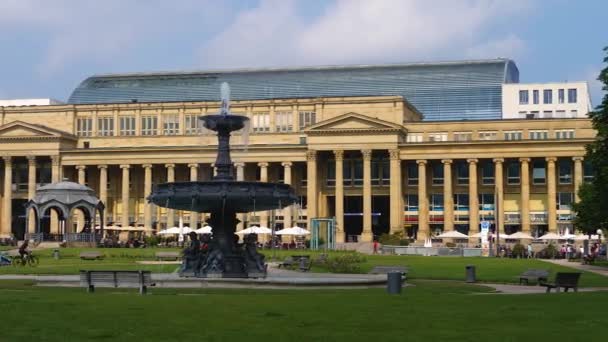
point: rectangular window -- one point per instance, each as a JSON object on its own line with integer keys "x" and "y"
{"x": 565, "y": 171}
{"x": 564, "y": 200}
{"x": 539, "y": 172}
{"x": 149, "y": 125}
{"x": 588, "y": 171}
{"x": 437, "y": 169}
{"x": 462, "y": 173}
{"x": 171, "y": 124}
{"x": 539, "y": 135}
{"x": 513, "y": 172}
{"x": 564, "y": 134}
{"x": 442, "y": 136}
{"x": 436, "y": 202}
{"x": 461, "y": 201}
{"x": 523, "y": 97}
{"x": 560, "y": 113}
{"x": 572, "y": 96}
{"x": 283, "y": 121}
{"x": 105, "y": 126}
{"x": 411, "y": 202}
{"x": 547, "y": 114}
{"x": 560, "y": 96}
{"x": 127, "y": 125}
{"x": 573, "y": 113}
{"x": 462, "y": 136}
{"x": 331, "y": 172}
{"x": 84, "y": 127}
{"x": 486, "y": 201}
{"x": 414, "y": 137}
{"x": 535, "y": 96}
{"x": 487, "y": 135}
{"x": 547, "y": 96}
{"x": 347, "y": 172}
{"x": 523, "y": 114}
{"x": 358, "y": 172}
{"x": 307, "y": 119}
{"x": 487, "y": 173}
{"x": 412, "y": 174}
{"x": 261, "y": 122}
{"x": 193, "y": 124}
{"x": 513, "y": 135}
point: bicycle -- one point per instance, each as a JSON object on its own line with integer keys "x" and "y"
{"x": 29, "y": 259}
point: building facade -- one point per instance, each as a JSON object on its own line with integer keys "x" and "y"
{"x": 369, "y": 161}
{"x": 545, "y": 100}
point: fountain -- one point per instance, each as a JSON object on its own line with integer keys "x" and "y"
{"x": 223, "y": 198}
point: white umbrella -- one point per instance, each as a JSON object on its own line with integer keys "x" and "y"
{"x": 292, "y": 231}
{"x": 176, "y": 230}
{"x": 255, "y": 230}
{"x": 550, "y": 236}
{"x": 519, "y": 236}
{"x": 204, "y": 230}
{"x": 454, "y": 234}
{"x": 478, "y": 235}
{"x": 568, "y": 236}
{"x": 581, "y": 237}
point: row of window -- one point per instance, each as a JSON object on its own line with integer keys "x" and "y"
{"x": 524, "y": 96}
{"x": 545, "y": 114}
{"x": 260, "y": 122}
{"x": 541, "y": 134}
{"x": 564, "y": 201}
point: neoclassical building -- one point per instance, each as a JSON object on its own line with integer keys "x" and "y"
{"x": 371, "y": 161}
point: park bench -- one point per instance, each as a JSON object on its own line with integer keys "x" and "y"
{"x": 167, "y": 256}
{"x": 139, "y": 279}
{"x": 533, "y": 275}
{"x": 91, "y": 256}
{"x": 387, "y": 269}
{"x": 288, "y": 263}
{"x": 567, "y": 280}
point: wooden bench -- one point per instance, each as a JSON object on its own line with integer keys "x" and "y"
{"x": 567, "y": 280}
{"x": 288, "y": 262}
{"x": 167, "y": 256}
{"x": 387, "y": 269}
{"x": 91, "y": 256}
{"x": 139, "y": 279}
{"x": 534, "y": 275}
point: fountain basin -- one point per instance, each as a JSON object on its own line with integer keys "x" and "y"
{"x": 218, "y": 196}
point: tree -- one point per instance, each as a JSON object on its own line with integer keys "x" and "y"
{"x": 592, "y": 210}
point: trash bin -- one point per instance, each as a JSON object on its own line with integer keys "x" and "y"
{"x": 470, "y": 274}
{"x": 56, "y": 254}
{"x": 393, "y": 282}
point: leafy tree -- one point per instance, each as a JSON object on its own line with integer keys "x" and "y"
{"x": 592, "y": 210}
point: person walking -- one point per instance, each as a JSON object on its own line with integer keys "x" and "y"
{"x": 530, "y": 251}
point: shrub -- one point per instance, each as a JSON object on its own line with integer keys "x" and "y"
{"x": 394, "y": 239}
{"x": 518, "y": 251}
{"x": 549, "y": 252}
{"x": 345, "y": 263}
{"x": 450, "y": 244}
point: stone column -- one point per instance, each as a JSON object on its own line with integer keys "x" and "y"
{"x": 473, "y": 198}
{"x": 311, "y": 186}
{"x": 103, "y": 188}
{"x": 147, "y": 192}
{"x": 55, "y": 169}
{"x": 170, "y": 178}
{"x": 448, "y": 198}
{"x": 193, "y": 178}
{"x": 240, "y": 176}
{"x": 264, "y": 178}
{"x": 31, "y": 191}
{"x": 125, "y": 195}
{"x": 423, "y": 203}
{"x": 578, "y": 176}
{"x": 367, "y": 235}
{"x": 339, "y": 198}
{"x": 551, "y": 195}
{"x": 287, "y": 180}
{"x": 396, "y": 192}
{"x": 525, "y": 195}
{"x": 499, "y": 215}
{"x": 81, "y": 173}
{"x": 7, "y": 208}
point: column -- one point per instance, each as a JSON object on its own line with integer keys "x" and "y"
{"x": 263, "y": 178}
{"x": 396, "y": 192}
{"x": 170, "y": 178}
{"x": 103, "y": 188}
{"x": 125, "y": 195}
{"x": 240, "y": 176}
{"x": 423, "y": 202}
{"x": 499, "y": 189}
{"x": 287, "y": 210}
{"x": 448, "y": 198}
{"x": 81, "y": 174}
{"x": 525, "y": 195}
{"x": 366, "y": 235}
{"x": 578, "y": 176}
{"x": 311, "y": 186}
{"x": 339, "y": 198}
{"x": 473, "y": 199}
{"x": 147, "y": 192}
{"x": 193, "y": 178}
{"x": 31, "y": 191}
{"x": 55, "y": 169}
{"x": 551, "y": 195}
{"x": 7, "y": 208}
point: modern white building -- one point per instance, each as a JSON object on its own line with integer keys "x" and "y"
{"x": 29, "y": 102}
{"x": 545, "y": 100}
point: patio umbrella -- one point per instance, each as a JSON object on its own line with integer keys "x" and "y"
{"x": 293, "y": 231}
{"x": 168, "y": 231}
{"x": 550, "y": 236}
{"x": 581, "y": 237}
{"x": 478, "y": 235}
{"x": 255, "y": 230}
{"x": 519, "y": 236}
{"x": 204, "y": 230}
{"x": 454, "y": 234}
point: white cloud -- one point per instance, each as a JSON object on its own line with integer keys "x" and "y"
{"x": 362, "y": 31}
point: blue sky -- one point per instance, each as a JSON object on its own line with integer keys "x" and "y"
{"x": 48, "y": 46}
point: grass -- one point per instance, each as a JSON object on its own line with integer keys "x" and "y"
{"x": 429, "y": 311}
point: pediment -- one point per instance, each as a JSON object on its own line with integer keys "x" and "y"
{"x": 354, "y": 122}
{"x": 24, "y": 130}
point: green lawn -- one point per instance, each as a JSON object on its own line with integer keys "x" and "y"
{"x": 429, "y": 311}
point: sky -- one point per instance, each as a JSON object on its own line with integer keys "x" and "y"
{"x": 47, "y": 47}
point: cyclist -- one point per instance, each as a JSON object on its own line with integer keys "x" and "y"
{"x": 23, "y": 252}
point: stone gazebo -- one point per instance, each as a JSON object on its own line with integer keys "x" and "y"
{"x": 65, "y": 197}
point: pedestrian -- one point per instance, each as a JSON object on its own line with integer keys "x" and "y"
{"x": 530, "y": 251}
{"x": 375, "y": 246}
